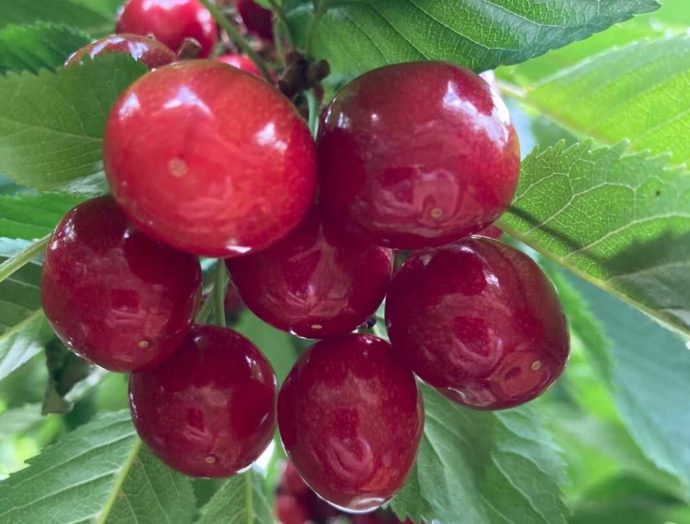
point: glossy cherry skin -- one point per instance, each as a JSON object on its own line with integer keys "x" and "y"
{"x": 209, "y": 410}
{"x": 492, "y": 231}
{"x": 257, "y": 19}
{"x": 147, "y": 50}
{"x": 480, "y": 321}
{"x": 350, "y": 418}
{"x": 170, "y": 21}
{"x": 417, "y": 155}
{"x": 291, "y": 510}
{"x": 317, "y": 282}
{"x": 112, "y": 294}
{"x": 241, "y": 62}
{"x": 209, "y": 159}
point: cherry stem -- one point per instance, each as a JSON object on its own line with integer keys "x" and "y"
{"x": 26, "y": 255}
{"x": 313, "y": 106}
{"x": 189, "y": 49}
{"x": 511, "y": 90}
{"x": 219, "y": 292}
{"x": 205, "y": 310}
{"x": 237, "y": 38}
{"x": 280, "y": 15}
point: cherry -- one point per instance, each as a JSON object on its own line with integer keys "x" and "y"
{"x": 233, "y": 302}
{"x": 317, "y": 282}
{"x": 291, "y": 510}
{"x": 209, "y": 410}
{"x": 113, "y": 295}
{"x": 256, "y": 19}
{"x": 146, "y": 50}
{"x": 479, "y": 321}
{"x": 492, "y": 231}
{"x": 235, "y": 172}
{"x": 351, "y": 418}
{"x": 417, "y": 155}
{"x": 316, "y": 509}
{"x": 170, "y": 21}
{"x": 241, "y": 62}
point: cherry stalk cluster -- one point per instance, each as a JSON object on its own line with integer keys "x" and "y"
{"x": 206, "y": 159}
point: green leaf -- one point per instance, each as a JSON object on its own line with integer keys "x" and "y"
{"x": 38, "y": 46}
{"x": 33, "y": 216}
{"x": 24, "y": 330}
{"x": 65, "y": 370}
{"x": 98, "y": 473}
{"x": 639, "y": 93}
{"x": 650, "y": 392}
{"x": 278, "y": 346}
{"x": 620, "y": 222}
{"x": 51, "y": 125}
{"x": 480, "y": 34}
{"x": 674, "y": 15}
{"x": 19, "y": 419}
{"x": 239, "y": 499}
{"x": 92, "y": 21}
{"x": 483, "y": 467}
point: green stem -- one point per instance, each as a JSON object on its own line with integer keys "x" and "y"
{"x": 278, "y": 41}
{"x": 511, "y": 90}
{"x": 237, "y": 38}
{"x": 219, "y": 292}
{"x": 280, "y": 15}
{"x": 206, "y": 309}
{"x": 319, "y": 9}
{"x": 313, "y": 111}
{"x": 26, "y": 255}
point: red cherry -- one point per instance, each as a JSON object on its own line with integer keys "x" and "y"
{"x": 292, "y": 483}
{"x": 316, "y": 282}
{"x": 209, "y": 410}
{"x": 146, "y": 50}
{"x": 113, "y": 295}
{"x": 480, "y": 321}
{"x": 233, "y": 301}
{"x": 291, "y": 510}
{"x": 492, "y": 231}
{"x": 241, "y": 62}
{"x": 417, "y": 155}
{"x": 257, "y": 19}
{"x": 170, "y": 21}
{"x": 209, "y": 159}
{"x": 351, "y": 418}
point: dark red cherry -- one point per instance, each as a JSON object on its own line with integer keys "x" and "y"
{"x": 233, "y": 302}
{"x": 417, "y": 155}
{"x": 241, "y": 62}
{"x": 256, "y": 19}
{"x": 351, "y": 417}
{"x": 480, "y": 321}
{"x": 170, "y": 21}
{"x": 291, "y": 510}
{"x": 209, "y": 410}
{"x": 317, "y": 282}
{"x": 112, "y": 294}
{"x": 147, "y": 50}
{"x": 209, "y": 159}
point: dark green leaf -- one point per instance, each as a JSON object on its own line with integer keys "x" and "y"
{"x": 483, "y": 468}
{"x": 97, "y": 473}
{"x": 621, "y": 222}
{"x": 480, "y": 34}
{"x": 33, "y": 216}
{"x": 239, "y": 500}
{"x": 38, "y": 46}
{"x": 65, "y": 369}
{"x": 52, "y": 124}
{"x": 92, "y": 21}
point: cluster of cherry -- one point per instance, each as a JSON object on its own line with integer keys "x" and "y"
{"x": 206, "y": 160}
